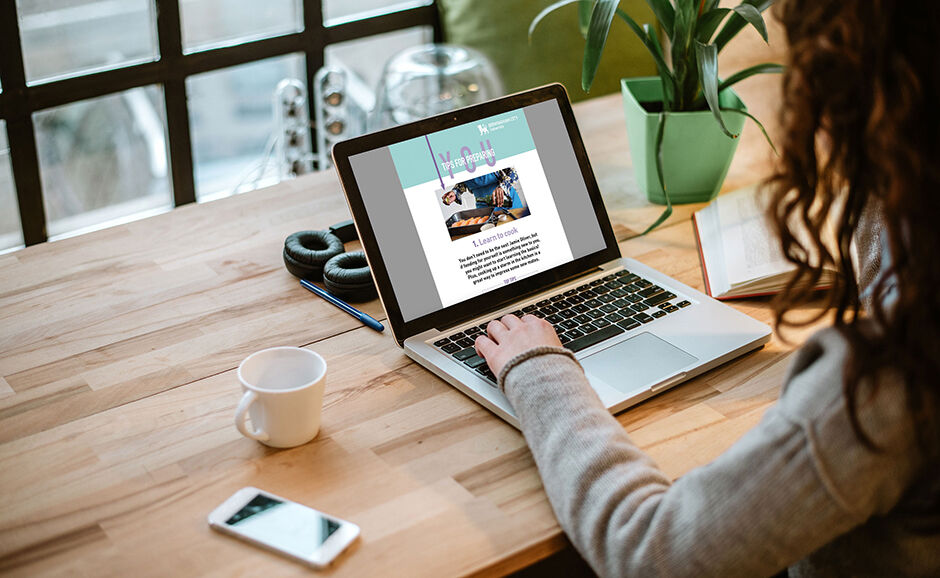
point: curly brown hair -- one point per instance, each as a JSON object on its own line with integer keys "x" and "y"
{"x": 861, "y": 128}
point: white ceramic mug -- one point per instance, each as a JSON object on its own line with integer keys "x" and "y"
{"x": 283, "y": 395}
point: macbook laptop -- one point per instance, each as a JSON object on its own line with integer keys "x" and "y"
{"x": 494, "y": 209}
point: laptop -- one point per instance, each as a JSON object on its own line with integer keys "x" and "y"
{"x": 494, "y": 209}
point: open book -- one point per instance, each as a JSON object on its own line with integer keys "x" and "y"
{"x": 740, "y": 255}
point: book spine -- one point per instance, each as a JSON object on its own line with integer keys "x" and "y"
{"x": 701, "y": 256}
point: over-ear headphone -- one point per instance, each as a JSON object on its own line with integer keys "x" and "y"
{"x": 318, "y": 255}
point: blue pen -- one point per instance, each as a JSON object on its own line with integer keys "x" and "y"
{"x": 366, "y": 319}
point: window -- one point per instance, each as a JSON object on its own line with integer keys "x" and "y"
{"x": 113, "y": 110}
{"x": 11, "y": 236}
{"x": 231, "y": 114}
{"x": 70, "y": 37}
{"x": 359, "y": 55}
{"x": 103, "y": 160}
{"x": 213, "y": 23}
{"x": 339, "y": 11}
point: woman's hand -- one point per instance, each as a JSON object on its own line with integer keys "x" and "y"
{"x": 510, "y": 336}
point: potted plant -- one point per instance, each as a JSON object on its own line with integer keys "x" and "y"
{"x": 682, "y": 125}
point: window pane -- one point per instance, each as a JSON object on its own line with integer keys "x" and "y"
{"x": 231, "y": 114}
{"x": 66, "y": 37}
{"x": 11, "y": 234}
{"x": 208, "y": 23}
{"x": 337, "y": 11}
{"x": 360, "y": 55}
{"x": 103, "y": 161}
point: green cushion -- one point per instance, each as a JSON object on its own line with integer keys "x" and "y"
{"x": 499, "y": 29}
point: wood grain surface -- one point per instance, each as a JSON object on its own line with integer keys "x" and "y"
{"x": 118, "y": 352}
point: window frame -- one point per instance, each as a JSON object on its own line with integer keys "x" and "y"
{"x": 19, "y": 101}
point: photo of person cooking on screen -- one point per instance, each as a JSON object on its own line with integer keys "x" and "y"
{"x": 483, "y": 202}
{"x": 496, "y": 189}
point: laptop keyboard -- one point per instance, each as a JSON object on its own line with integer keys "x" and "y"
{"x": 582, "y": 317}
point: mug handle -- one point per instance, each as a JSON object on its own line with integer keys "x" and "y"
{"x": 241, "y": 417}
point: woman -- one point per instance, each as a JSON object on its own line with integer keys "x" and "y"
{"x": 841, "y": 475}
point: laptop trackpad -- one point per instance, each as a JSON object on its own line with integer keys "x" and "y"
{"x": 636, "y": 363}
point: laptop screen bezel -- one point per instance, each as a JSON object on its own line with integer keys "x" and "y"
{"x": 496, "y": 298}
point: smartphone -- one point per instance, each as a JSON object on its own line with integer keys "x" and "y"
{"x": 279, "y": 524}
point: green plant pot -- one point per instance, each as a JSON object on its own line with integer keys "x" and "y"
{"x": 696, "y": 154}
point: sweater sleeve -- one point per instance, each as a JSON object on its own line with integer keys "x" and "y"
{"x": 775, "y": 496}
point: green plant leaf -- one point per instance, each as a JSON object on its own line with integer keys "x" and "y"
{"x": 659, "y": 172}
{"x": 669, "y": 83}
{"x": 752, "y": 15}
{"x": 707, "y": 58}
{"x": 757, "y": 122}
{"x": 545, "y": 12}
{"x": 665, "y": 13}
{"x": 683, "y": 60}
{"x": 710, "y": 5}
{"x": 660, "y": 132}
{"x": 736, "y": 23}
{"x": 648, "y": 36}
{"x": 708, "y": 23}
{"x": 601, "y": 17}
{"x": 683, "y": 26}
{"x": 763, "y": 68}
{"x": 584, "y": 16}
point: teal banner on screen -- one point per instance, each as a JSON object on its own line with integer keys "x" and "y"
{"x": 466, "y": 150}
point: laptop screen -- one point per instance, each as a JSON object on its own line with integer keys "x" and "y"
{"x": 465, "y": 211}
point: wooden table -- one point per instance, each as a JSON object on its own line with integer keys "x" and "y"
{"x": 117, "y": 392}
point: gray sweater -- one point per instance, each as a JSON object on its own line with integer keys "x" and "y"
{"x": 797, "y": 491}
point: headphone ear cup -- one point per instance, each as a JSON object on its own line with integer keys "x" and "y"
{"x": 306, "y": 252}
{"x": 348, "y": 276}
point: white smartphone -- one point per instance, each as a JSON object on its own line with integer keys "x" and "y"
{"x": 278, "y": 524}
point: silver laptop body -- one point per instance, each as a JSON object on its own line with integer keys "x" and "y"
{"x": 679, "y": 337}
{"x": 629, "y": 367}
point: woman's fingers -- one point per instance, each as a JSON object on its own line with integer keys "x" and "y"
{"x": 529, "y": 318}
{"x": 511, "y": 336}
{"x": 511, "y": 321}
{"x": 484, "y": 346}
{"x": 496, "y": 330}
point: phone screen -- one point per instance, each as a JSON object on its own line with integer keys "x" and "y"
{"x": 290, "y": 527}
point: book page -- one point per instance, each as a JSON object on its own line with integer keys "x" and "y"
{"x": 751, "y": 251}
